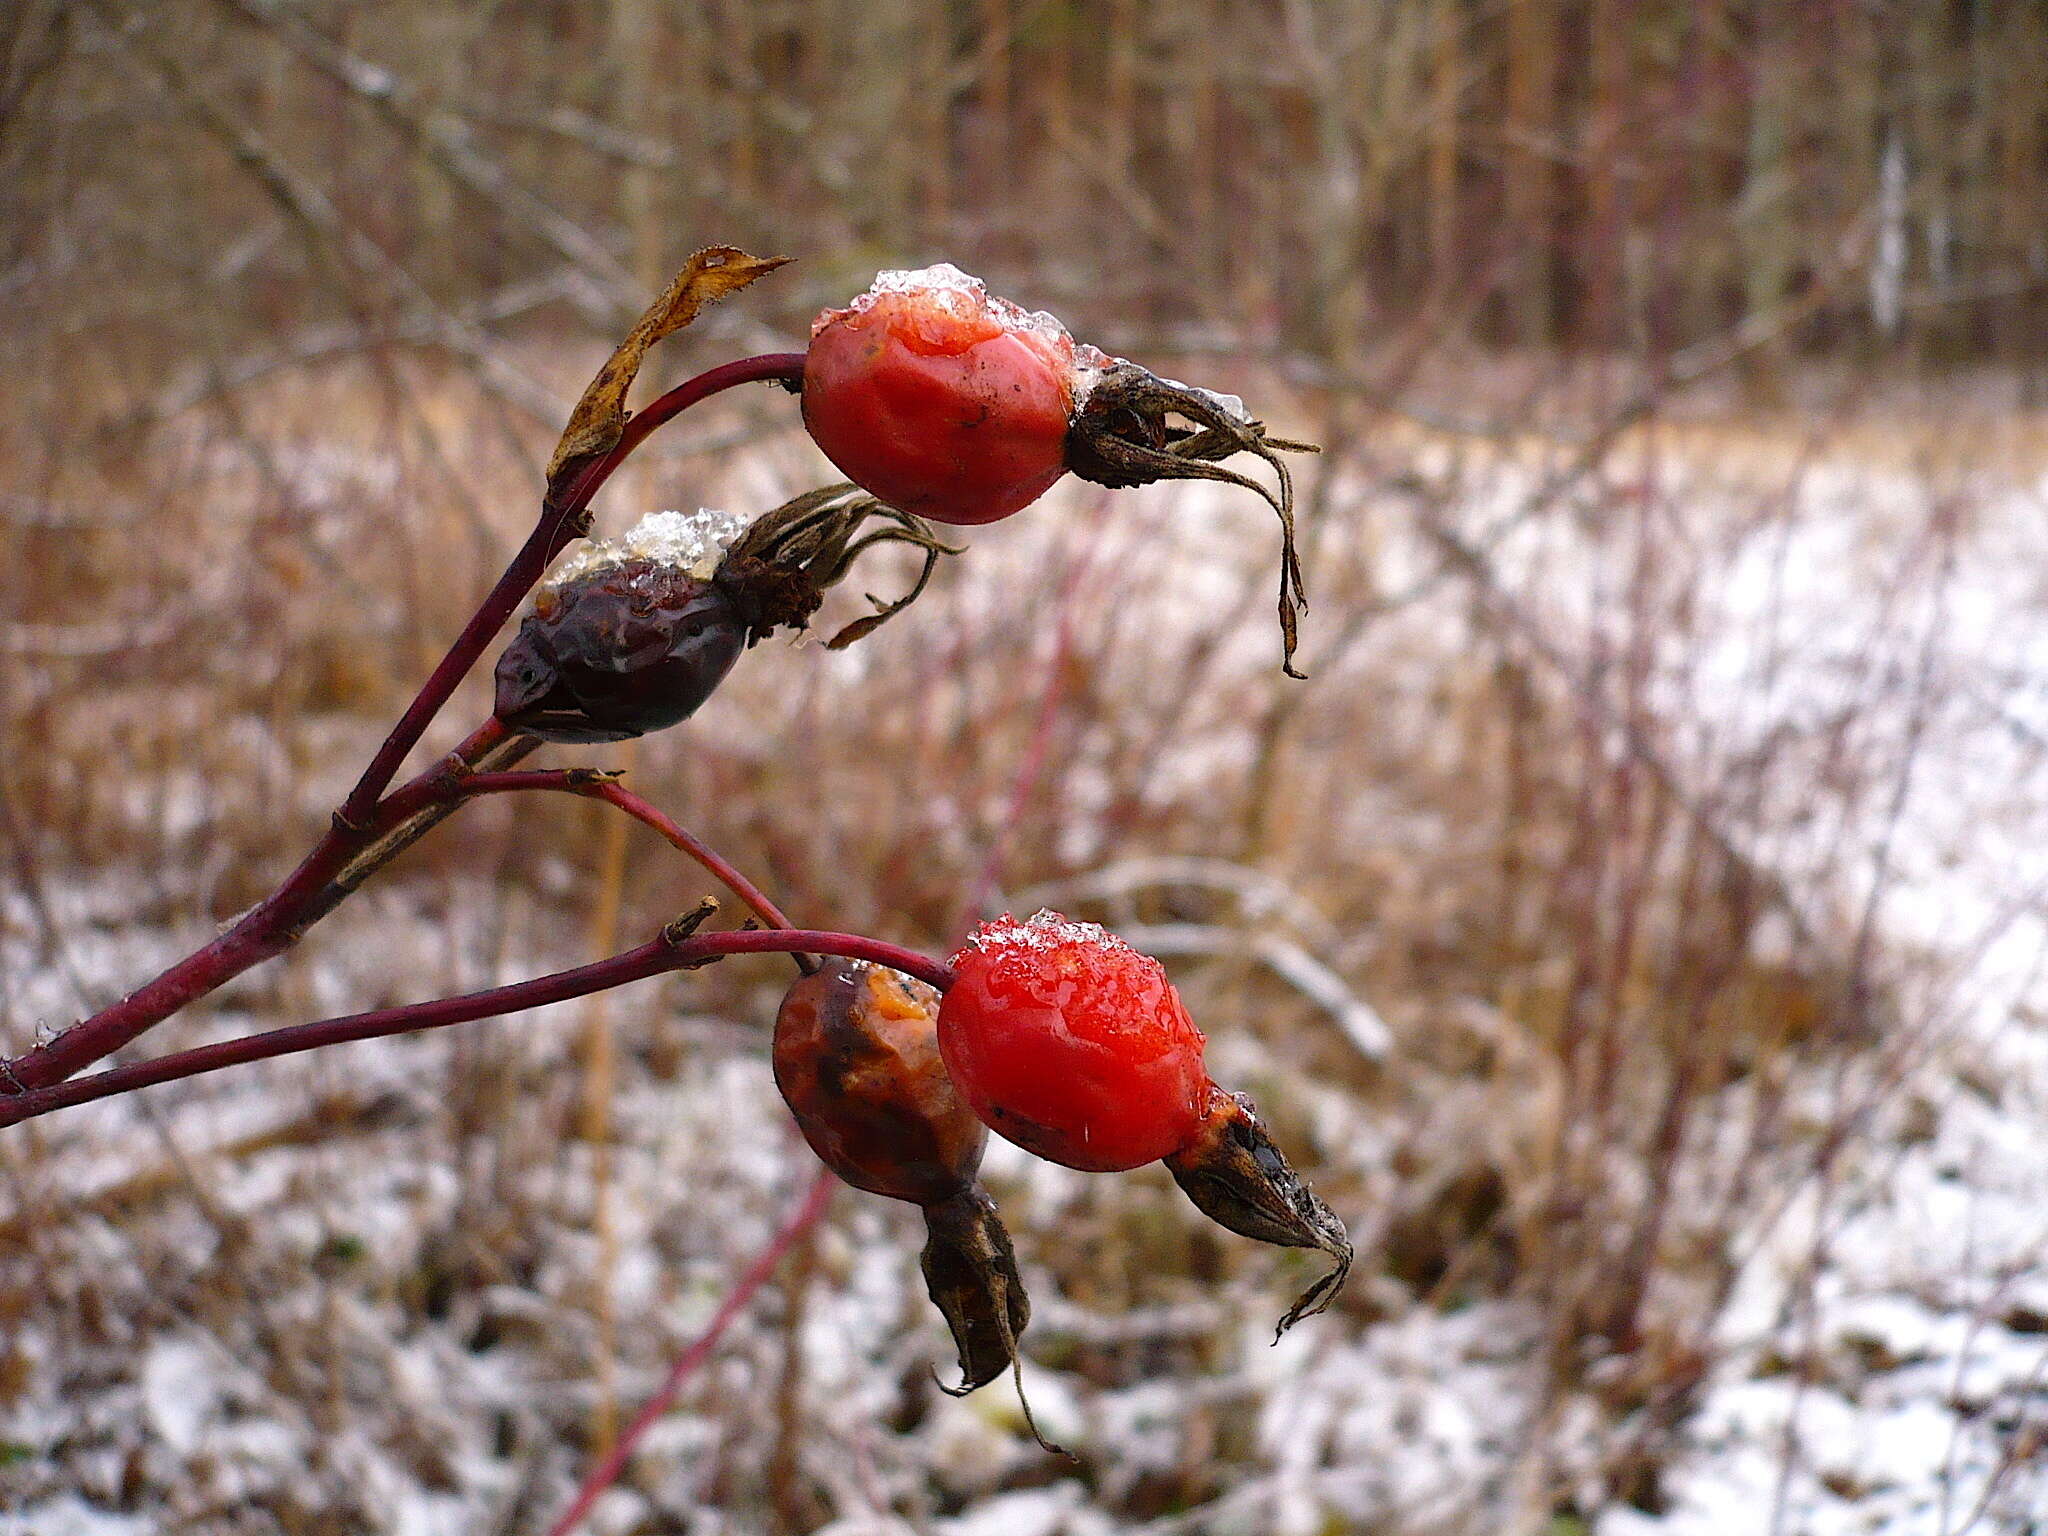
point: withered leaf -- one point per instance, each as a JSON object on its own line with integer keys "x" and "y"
{"x": 600, "y": 416}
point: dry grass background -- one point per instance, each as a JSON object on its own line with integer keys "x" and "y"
{"x": 1544, "y": 920}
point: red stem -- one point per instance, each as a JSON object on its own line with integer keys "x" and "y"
{"x": 649, "y": 959}
{"x": 275, "y": 924}
{"x": 559, "y": 526}
{"x": 596, "y": 785}
{"x": 269, "y": 928}
{"x": 607, "y": 1471}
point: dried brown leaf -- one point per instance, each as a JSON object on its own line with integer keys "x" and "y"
{"x": 600, "y": 416}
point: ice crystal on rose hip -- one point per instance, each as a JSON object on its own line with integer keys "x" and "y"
{"x": 952, "y": 404}
{"x": 632, "y": 635}
{"x": 1072, "y": 1044}
{"x": 939, "y": 399}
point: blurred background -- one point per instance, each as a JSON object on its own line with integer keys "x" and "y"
{"x": 1634, "y": 926}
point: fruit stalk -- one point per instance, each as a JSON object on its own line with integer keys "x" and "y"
{"x": 666, "y": 952}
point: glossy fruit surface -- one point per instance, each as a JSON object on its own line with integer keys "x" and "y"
{"x": 856, "y": 1058}
{"x": 633, "y": 649}
{"x": 939, "y": 399}
{"x": 1072, "y": 1044}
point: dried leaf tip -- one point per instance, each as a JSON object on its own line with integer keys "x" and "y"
{"x": 599, "y": 419}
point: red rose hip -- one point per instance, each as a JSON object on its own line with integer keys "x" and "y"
{"x": 1070, "y": 1043}
{"x": 939, "y": 399}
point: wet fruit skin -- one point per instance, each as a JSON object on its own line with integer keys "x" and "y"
{"x": 926, "y": 400}
{"x": 631, "y": 648}
{"x": 1073, "y": 1045}
{"x": 856, "y": 1058}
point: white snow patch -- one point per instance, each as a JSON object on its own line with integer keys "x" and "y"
{"x": 691, "y": 542}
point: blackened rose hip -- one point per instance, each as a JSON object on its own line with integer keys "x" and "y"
{"x": 1072, "y": 1044}
{"x": 856, "y": 1058}
{"x": 627, "y": 636}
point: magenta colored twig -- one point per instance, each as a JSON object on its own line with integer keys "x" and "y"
{"x": 650, "y": 959}
{"x": 815, "y": 1203}
{"x": 267, "y": 929}
{"x": 276, "y": 923}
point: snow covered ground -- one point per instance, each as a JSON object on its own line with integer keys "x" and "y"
{"x": 391, "y": 1292}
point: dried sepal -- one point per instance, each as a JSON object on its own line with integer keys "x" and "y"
{"x": 1237, "y": 1177}
{"x": 777, "y": 571}
{"x": 1119, "y": 437}
{"x": 599, "y": 419}
{"x": 970, "y": 1272}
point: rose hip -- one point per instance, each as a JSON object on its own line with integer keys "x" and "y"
{"x": 1072, "y": 1044}
{"x": 856, "y": 1058}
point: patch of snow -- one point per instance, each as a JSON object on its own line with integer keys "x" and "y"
{"x": 690, "y": 542}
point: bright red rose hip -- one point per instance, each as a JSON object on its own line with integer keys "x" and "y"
{"x": 939, "y": 399}
{"x": 1073, "y": 1045}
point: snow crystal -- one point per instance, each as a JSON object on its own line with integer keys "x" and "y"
{"x": 1230, "y": 405}
{"x": 964, "y": 291}
{"x": 71, "y": 1516}
{"x": 1046, "y": 929}
{"x": 940, "y": 274}
{"x": 693, "y": 542}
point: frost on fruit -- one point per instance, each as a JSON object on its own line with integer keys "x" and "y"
{"x": 961, "y": 291}
{"x": 1044, "y": 929}
{"x": 692, "y": 543}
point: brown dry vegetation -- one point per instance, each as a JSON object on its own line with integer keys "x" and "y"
{"x": 1579, "y": 305}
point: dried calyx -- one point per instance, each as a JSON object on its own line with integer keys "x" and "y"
{"x": 1119, "y": 436}
{"x": 777, "y": 571}
{"x": 1237, "y": 1177}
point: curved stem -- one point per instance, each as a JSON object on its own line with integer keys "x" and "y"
{"x": 664, "y": 953}
{"x": 561, "y": 523}
{"x": 816, "y": 1200}
{"x": 596, "y": 784}
{"x": 269, "y": 928}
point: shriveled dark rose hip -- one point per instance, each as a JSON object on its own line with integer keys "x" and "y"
{"x": 856, "y": 1058}
{"x": 630, "y": 648}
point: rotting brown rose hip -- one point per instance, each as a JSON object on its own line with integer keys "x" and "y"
{"x": 856, "y": 1058}
{"x": 632, "y": 635}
